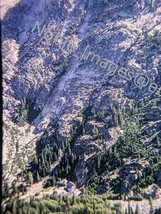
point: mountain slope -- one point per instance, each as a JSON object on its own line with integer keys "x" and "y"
{"x": 74, "y": 77}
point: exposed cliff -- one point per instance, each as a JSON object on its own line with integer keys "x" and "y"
{"x": 69, "y": 67}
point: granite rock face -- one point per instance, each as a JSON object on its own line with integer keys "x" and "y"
{"x": 63, "y": 57}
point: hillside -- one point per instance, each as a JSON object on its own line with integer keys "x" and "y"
{"x": 81, "y": 100}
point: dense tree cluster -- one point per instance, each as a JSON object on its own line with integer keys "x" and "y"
{"x": 129, "y": 146}
{"x": 86, "y": 203}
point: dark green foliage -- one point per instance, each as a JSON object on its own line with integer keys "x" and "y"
{"x": 15, "y": 190}
{"x": 26, "y": 112}
{"x": 130, "y": 145}
{"x": 46, "y": 155}
{"x": 86, "y": 203}
{"x": 6, "y": 189}
{"x": 118, "y": 115}
{"x": 30, "y": 178}
{"x": 37, "y": 177}
{"x": 22, "y": 114}
{"x": 17, "y": 147}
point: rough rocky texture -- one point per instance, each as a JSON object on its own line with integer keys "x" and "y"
{"x": 57, "y": 84}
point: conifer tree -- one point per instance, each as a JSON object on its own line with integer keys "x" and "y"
{"x": 158, "y": 142}
{"x": 74, "y": 199}
{"x": 17, "y": 147}
{"x": 35, "y": 160}
{"x": 94, "y": 206}
{"x": 63, "y": 145}
{"x": 115, "y": 115}
{"x": 23, "y": 190}
{"x": 98, "y": 161}
{"x": 14, "y": 188}
{"x": 53, "y": 180}
{"x": 30, "y": 178}
{"x": 67, "y": 169}
{"x": 68, "y": 201}
{"x": 60, "y": 199}
{"x": 72, "y": 158}
{"x": 6, "y": 189}
{"x": 55, "y": 156}
{"x": 14, "y": 206}
{"x": 121, "y": 118}
{"x": 43, "y": 172}
{"x": 37, "y": 176}
{"x": 49, "y": 162}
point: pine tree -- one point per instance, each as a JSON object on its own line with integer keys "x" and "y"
{"x": 23, "y": 190}
{"x": 49, "y": 162}
{"x": 115, "y": 115}
{"x": 121, "y": 118}
{"x": 14, "y": 188}
{"x": 60, "y": 199}
{"x": 69, "y": 150}
{"x": 158, "y": 142}
{"x": 17, "y": 147}
{"x": 95, "y": 131}
{"x": 43, "y": 172}
{"x": 56, "y": 175}
{"x": 53, "y": 180}
{"x": 37, "y": 176}
{"x": 55, "y": 156}
{"x": 98, "y": 161}
{"x": 30, "y": 178}
{"x": 63, "y": 145}
{"x": 14, "y": 206}
{"x": 83, "y": 190}
{"x": 68, "y": 202}
{"x": 59, "y": 173}
{"x": 72, "y": 158}
{"x": 6, "y": 189}
{"x": 94, "y": 170}
{"x": 67, "y": 170}
{"x": 35, "y": 160}
{"x": 74, "y": 199}
{"x": 94, "y": 206}
{"x": 83, "y": 130}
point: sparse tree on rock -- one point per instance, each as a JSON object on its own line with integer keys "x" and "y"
{"x": 30, "y": 178}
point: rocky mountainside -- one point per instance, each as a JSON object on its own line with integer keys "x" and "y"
{"x": 81, "y": 84}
